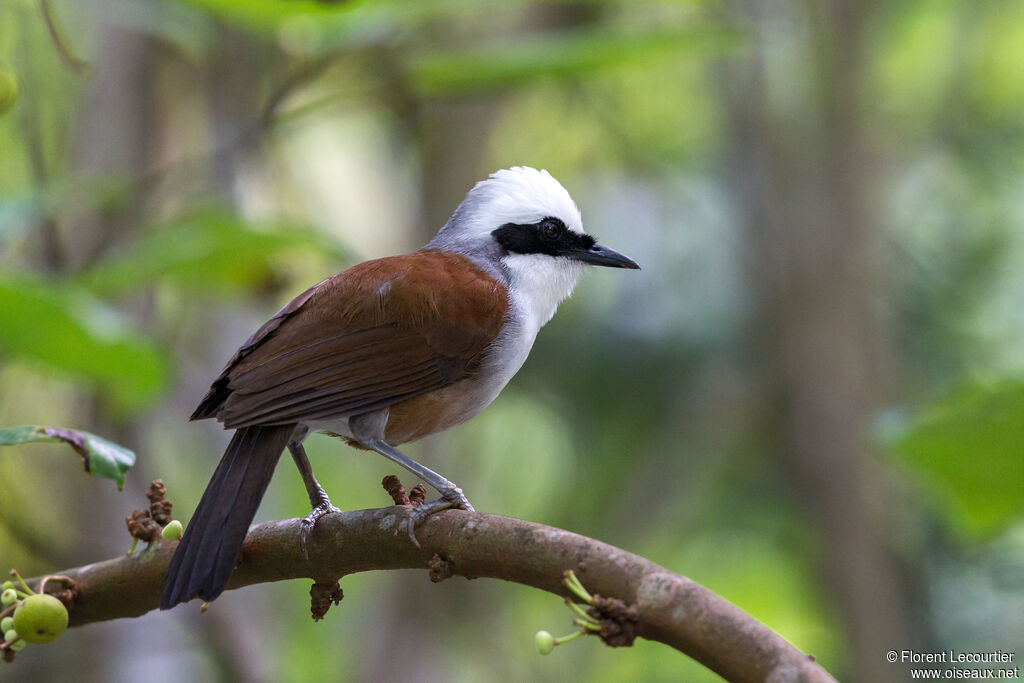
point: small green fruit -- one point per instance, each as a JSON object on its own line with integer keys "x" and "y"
{"x": 40, "y": 618}
{"x": 545, "y": 642}
{"x": 18, "y": 645}
{"x": 6, "y": 624}
{"x": 8, "y": 88}
{"x": 9, "y": 597}
{"x": 7, "y": 584}
{"x": 10, "y": 634}
{"x": 172, "y": 532}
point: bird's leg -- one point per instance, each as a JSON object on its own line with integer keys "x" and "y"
{"x": 318, "y": 499}
{"x": 451, "y": 495}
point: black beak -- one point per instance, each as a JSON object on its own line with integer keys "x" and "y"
{"x": 599, "y": 255}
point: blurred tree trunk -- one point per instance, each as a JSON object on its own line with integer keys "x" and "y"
{"x": 116, "y": 134}
{"x": 452, "y": 138}
{"x": 234, "y": 72}
{"x": 801, "y": 170}
{"x": 110, "y": 141}
{"x": 453, "y": 134}
{"x": 123, "y": 130}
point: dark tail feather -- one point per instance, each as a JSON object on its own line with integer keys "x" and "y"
{"x": 206, "y": 556}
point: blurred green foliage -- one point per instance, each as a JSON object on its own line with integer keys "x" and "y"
{"x": 968, "y": 447}
{"x": 498, "y": 66}
{"x": 211, "y": 251}
{"x": 638, "y": 418}
{"x": 66, "y": 328}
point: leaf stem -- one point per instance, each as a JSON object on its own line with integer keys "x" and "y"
{"x": 573, "y": 584}
{"x": 571, "y": 636}
{"x": 587, "y": 625}
{"x": 17, "y": 577}
{"x": 579, "y": 611}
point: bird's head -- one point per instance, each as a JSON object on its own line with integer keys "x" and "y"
{"x": 526, "y": 212}
{"x": 524, "y": 222}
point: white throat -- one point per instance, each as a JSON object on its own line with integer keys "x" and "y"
{"x": 537, "y": 284}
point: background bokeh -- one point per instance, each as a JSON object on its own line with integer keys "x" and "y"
{"x": 811, "y": 399}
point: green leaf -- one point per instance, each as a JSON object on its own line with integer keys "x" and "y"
{"x": 559, "y": 55}
{"x": 341, "y": 23}
{"x": 211, "y": 250}
{"x": 102, "y": 458}
{"x": 68, "y": 329}
{"x": 970, "y": 446}
{"x": 267, "y": 15}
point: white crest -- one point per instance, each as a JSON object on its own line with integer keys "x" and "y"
{"x": 515, "y": 195}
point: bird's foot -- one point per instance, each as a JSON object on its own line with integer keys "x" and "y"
{"x": 450, "y": 498}
{"x": 324, "y": 507}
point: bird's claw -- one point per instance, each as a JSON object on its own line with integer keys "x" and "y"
{"x": 307, "y": 523}
{"x": 450, "y": 498}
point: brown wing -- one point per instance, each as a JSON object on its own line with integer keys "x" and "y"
{"x": 376, "y": 334}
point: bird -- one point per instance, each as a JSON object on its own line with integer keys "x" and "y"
{"x": 384, "y": 353}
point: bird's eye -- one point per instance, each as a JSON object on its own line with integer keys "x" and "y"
{"x": 551, "y": 230}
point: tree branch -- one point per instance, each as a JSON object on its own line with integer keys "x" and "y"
{"x": 671, "y": 609}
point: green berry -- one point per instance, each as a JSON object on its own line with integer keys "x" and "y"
{"x": 6, "y": 624}
{"x": 545, "y": 642}
{"x": 40, "y": 618}
{"x": 9, "y": 597}
{"x": 10, "y": 634}
{"x": 172, "y": 532}
{"x": 18, "y": 645}
{"x": 8, "y": 88}
{"x": 7, "y": 584}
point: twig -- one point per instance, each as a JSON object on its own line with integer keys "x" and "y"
{"x": 670, "y": 608}
{"x": 74, "y": 63}
{"x": 51, "y": 252}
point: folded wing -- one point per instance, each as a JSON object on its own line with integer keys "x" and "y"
{"x": 379, "y": 333}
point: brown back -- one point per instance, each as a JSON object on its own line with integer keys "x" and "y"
{"x": 378, "y": 333}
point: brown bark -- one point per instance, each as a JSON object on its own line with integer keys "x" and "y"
{"x": 804, "y": 179}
